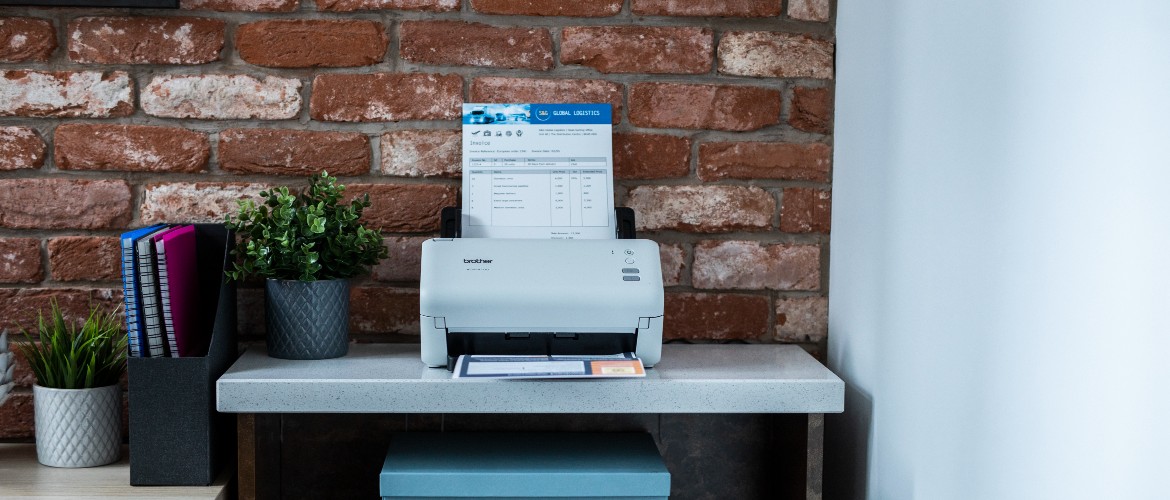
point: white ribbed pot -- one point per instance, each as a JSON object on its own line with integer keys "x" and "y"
{"x": 78, "y": 427}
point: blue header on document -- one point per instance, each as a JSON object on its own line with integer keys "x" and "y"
{"x": 550, "y": 114}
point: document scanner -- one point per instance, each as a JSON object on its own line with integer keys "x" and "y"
{"x": 527, "y": 296}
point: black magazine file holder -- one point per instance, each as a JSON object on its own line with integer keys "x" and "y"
{"x": 451, "y": 225}
{"x": 176, "y": 436}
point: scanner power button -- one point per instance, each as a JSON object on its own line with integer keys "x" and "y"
{"x": 629, "y": 260}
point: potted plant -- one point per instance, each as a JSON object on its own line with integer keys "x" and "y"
{"x": 307, "y": 246}
{"x": 6, "y": 368}
{"x": 77, "y": 402}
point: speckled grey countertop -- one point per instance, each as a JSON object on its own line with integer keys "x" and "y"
{"x": 390, "y": 378}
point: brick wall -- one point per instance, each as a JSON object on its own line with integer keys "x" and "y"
{"x": 116, "y": 118}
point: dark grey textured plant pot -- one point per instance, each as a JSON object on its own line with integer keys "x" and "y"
{"x": 307, "y": 319}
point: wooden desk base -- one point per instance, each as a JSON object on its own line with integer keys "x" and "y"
{"x": 22, "y": 476}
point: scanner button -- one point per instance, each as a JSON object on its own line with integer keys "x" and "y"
{"x": 631, "y": 278}
{"x": 629, "y": 260}
{"x": 630, "y": 270}
{"x": 629, "y": 252}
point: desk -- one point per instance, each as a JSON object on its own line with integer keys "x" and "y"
{"x": 21, "y": 476}
{"x": 389, "y": 378}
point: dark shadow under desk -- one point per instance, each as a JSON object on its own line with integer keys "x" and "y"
{"x": 389, "y": 378}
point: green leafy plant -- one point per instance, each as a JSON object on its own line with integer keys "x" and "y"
{"x": 73, "y": 357}
{"x": 306, "y": 236}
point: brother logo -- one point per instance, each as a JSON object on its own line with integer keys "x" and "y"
{"x": 477, "y": 261}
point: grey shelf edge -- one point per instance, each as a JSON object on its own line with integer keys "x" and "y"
{"x": 390, "y": 378}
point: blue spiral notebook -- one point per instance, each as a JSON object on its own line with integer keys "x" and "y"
{"x": 130, "y": 288}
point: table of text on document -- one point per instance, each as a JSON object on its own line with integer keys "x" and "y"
{"x": 538, "y": 191}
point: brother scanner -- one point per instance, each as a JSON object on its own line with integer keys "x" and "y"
{"x": 542, "y": 297}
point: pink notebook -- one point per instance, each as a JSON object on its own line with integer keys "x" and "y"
{"x": 177, "y": 249}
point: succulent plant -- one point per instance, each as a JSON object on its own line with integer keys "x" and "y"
{"x": 72, "y": 356}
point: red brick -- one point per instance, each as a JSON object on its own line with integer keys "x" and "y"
{"x": 383, "y": 311}
{"x": 805, "y": 210}
{"x": 405, "y": 260}
{"x": 187, "y": 202}
{"x": 593, "y": 8}
{"x": 306, "y": 43}
{"x": 293, "y": 152}
{"x": 474, "y": 44}
{"x": 66, "y": 94}
{"x": 673, "y": 260}
{"x": 21, "y": 148}
{"x": 20, "y": 260}
{"x": 386, "y": 97}
{"x": 811, "y": 110}
{"x": 752, "y": 265}
{"x": 16, "y": 416}
{"x": 715, "y": 316}
{"x": 769, "y": 54}
{"x": 802, "y": 319}
{"x": 21, "y": 305}
{"x": 241, "y": 5}
{"x": 764, "y": 160}
{"x": 145, "y": 40}
{"x": 543, "y": 90}
{"x": 650, "y": 156}
{"x": 26, "y": 39}
{"x": 85, "y": 258}
{"x": 809, "y": 10}
{"x": 637, "y": 49}
{"x": 702, "y": 209}
{"x": 405, "y": 208}
{"x": 712, "y": 8}
{"x": 222, "y": 97}
{"x": 695, "y": 106}
{"x": 64, "y": 203}
{"x": 133, "y": 148}
{"x": 419, "y": 5}
{"x": 422, "y": 153}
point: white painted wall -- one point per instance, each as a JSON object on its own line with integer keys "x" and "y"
{"x": 1000, "y": 266}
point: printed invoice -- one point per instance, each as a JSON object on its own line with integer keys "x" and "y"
{"x": 538, "y": 171}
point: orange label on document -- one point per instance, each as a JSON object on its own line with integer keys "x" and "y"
{"x": 617, "y": 367}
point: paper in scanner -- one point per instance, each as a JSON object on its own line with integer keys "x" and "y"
{"x": 538, "y": 171}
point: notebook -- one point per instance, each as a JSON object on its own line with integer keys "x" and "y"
{"x": 179, "y": 284}
{"x": 150, "y": 314}
{"x": 130, "y": 288}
